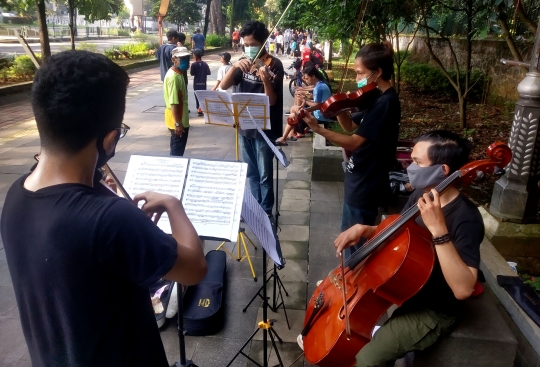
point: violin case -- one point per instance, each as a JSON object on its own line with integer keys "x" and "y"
{"x": 203, "y": 303}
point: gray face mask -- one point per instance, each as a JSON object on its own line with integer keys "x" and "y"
{"x": 421, "y": 177}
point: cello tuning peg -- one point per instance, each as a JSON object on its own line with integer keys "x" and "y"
{"x": 498, "y": 171}
{"x": 480, "y": 176}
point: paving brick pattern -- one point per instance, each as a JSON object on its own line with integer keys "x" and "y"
{"x": 309, "y": 220}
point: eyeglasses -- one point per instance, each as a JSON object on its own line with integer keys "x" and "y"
{"x": 123, "y": 129}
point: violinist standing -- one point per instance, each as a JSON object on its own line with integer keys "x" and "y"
{"x": 255, "y": 151}
{"x": 373, "y": 145}
{"x": 457, "y": 229}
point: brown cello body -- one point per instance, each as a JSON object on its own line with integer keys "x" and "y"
{"x": 390, "y": 275}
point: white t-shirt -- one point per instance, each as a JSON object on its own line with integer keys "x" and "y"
{"x": 279, "y": 39}
{"x": 221, "y": 74}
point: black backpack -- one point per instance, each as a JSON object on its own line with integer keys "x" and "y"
{"x": 203, "y": 303}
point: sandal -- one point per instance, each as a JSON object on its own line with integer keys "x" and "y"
{"x": 292, "y": 138}
{"x": 280, "y": 143}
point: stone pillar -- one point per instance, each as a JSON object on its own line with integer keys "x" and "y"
{"x": 516, "y": 194}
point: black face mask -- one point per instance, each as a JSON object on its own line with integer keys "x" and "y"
{"x": 103, "y": 158}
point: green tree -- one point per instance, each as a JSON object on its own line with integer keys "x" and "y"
{"x": 437, "y": 20}
{"x": 180, "y": 12}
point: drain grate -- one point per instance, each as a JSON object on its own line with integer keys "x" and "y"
{"x": 155, "y": 109}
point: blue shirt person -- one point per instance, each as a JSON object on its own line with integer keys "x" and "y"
{"x": 198, "y": 40}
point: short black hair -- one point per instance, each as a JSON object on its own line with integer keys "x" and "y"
{"x": 311, "y": 70}
{"x": 255, "y": 28}
{"x": 172, "y": 34}
{"x": 77, "y": 96}
{"x": 197, "y": 52}
{"x": 181, "y": 37}
{"x": 447, "y": 148}
{"x": 378, "y": 55}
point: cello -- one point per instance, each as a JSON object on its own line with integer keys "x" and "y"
{"x": 391, "y": 266}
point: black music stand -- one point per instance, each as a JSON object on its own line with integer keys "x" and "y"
{"x": 182, "y": 362}
{"x": 278, "y": 284}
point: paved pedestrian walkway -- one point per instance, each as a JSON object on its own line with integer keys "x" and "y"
{"x": 309, "y": 221}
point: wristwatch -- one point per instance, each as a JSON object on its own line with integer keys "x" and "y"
{"x": 176, "y": 124}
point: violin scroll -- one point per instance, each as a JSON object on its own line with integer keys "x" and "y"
{"x": 499, "y": 155}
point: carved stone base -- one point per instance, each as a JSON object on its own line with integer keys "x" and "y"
{"x": 515, "y": 242}
{"x": 512, "y": 202}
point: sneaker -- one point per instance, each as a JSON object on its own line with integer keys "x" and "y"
{"x": 300, "y": 341}
{"x": 199, "y": 112}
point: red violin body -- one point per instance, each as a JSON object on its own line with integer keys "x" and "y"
{"x": 390, "y": 275}
{"x": 359, "y": 100}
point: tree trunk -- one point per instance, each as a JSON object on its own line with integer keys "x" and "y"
{"x": 206, "y": 17}
{"x": 43, "y": 32}
{"x": 524, "y": 18}
{"x": 462, "y": 111}
{"x": 507, "y": 36}
{"x": 217, "y": 23}
{"x": 71, "y": 12}
{"x": 399, "y": 62}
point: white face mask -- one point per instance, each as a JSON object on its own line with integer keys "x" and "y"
{"x": 252, "y": 51}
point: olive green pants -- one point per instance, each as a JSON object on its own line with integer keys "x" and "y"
{"x": 404, "y": 332}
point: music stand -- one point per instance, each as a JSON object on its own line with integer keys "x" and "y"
{"x": 235, "y": 112}
{"x": 278, "y": 284}
{"x": 182, "y": 362}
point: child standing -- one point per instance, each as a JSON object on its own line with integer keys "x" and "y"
{"x": 226, "y": 65}
{"x": 199, "y": 71}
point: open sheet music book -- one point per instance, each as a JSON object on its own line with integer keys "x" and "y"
{"x": 211, "y": 192}
{"x": 222, "y": 108}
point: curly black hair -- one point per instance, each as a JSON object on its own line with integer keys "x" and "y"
{"x": 77, "y": 96}
{"x": 255, "y": 28}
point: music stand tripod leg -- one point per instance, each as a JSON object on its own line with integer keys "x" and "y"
{"x": 183, "y": 362}
{"x": 241, "y": 235}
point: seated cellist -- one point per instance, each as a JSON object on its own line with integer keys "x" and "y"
{"x": 457, "y": 229}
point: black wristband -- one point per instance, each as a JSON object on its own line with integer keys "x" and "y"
{"x": 441, "y": 239}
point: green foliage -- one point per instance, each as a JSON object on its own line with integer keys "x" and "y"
{"x": 98, "y": 9}
{"x": 180, "y": 11}
{"x": 532, "y": 281}
{"x": 23, "y": 66}
{"x": 123, "y": 32}
{"x": 92, "y": 47}
{"x": 151, "y": 41}
{"x": 215, "y": 40}
{"x": 138, "y": 50}
{"x": 430, "y": 79}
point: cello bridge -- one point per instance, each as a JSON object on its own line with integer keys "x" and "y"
{"x": 335, "y": 280}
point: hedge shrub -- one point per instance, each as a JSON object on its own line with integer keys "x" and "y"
{"x": 430, "y": 79}
{"x": 215, "y": 40}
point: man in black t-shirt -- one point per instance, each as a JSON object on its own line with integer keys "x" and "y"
{"x": 457, "y": 229}
{"x": 255, "y": 151}
{"x": 81, "y": 259}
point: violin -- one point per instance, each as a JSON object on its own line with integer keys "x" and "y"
{"x": 391, "y": 267}
{"x": 265, "y": 61}
{"x": 359, "y": 100}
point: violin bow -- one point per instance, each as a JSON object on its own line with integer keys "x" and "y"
{"x": 360, "y": 18}
{"x": 273, "y": 29}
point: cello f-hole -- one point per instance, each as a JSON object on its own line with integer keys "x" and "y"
{"x": 341, "y": 314}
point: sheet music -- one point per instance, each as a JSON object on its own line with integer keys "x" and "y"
{"x": 257, "y": 219}
{"x": 211, "y": 197}
{"x": 259, "y": 106}
{"x": 277, "y": 151}
{"x": 215, "y": 111}
{"x": 165, "y": 175}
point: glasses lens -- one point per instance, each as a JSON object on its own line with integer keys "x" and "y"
{"x": 123, "y": 130}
